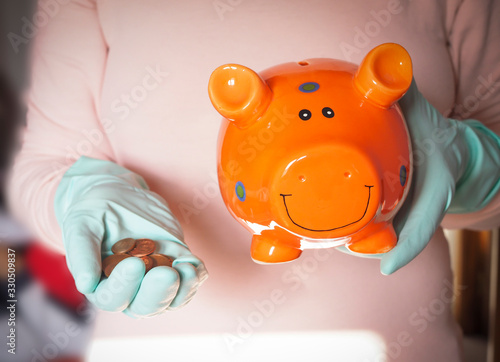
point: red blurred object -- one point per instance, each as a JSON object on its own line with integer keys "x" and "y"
{"x": 49, "y": 268}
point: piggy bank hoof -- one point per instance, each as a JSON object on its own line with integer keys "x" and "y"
{"x": 377, "y": 243}
{"x": 265, "y": 250}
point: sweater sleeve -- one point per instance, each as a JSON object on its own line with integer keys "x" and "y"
{"x": 63, "y": 123}
{"x": 473, "y": 37}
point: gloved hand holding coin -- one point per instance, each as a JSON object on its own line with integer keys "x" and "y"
{"x": 141, "y": 248}
{"x": 105, "y": 210}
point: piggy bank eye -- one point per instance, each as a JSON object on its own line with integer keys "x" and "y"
{"x": 402, "y": 175}
{"x": 240, "y": 191}
{"x": 304, "y": 114}
{"x": 328, "y": 112}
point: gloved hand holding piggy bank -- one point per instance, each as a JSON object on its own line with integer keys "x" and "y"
{"x": 315, "y": 154}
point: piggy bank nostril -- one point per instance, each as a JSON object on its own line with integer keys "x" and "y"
{"x": 302, "y": 178}
{"x": 347, "y": 174}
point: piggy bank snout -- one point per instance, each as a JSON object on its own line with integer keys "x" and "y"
{"x": 326, "y": 189}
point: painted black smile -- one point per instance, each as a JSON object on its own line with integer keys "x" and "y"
{"x": 339, "y": 227}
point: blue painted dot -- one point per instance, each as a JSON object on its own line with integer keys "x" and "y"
{"x": 402, "y": 175}
{"x": 240, "y": 191}
{"x": 309, "y": 87}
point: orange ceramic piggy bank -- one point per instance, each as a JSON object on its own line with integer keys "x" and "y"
{"x": 315, "y": 154}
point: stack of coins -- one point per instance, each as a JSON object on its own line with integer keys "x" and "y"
{"x": 140, "y": 248}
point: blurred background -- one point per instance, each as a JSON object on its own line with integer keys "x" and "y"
{"x": 48, "y": 305}
{"x": 52, "y": 321}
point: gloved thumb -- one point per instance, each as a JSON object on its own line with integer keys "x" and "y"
{"x": 427, "y": 208}
{"x": 82, "y": 240}
{"x": 411, "y": 100}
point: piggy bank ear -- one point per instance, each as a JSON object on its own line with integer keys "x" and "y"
{"x": 384, "y": 74}
{"x": 239, "y": 94}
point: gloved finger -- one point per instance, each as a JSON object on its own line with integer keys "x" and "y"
{"x": 427, "y": 209}
{"x": 189, "y": 283}
{"x": 157, "y": 290}
{"x": 411, "y": 99}
{"x": 422, "y": 119}
{"x": 197, "y": 263}
{"x": 172, "y": 249}
{"x": 117, "y": 292}
{"x": 182, "y": 254}
{"x": 82, "y": 240}
{"x": 402, "y": 215}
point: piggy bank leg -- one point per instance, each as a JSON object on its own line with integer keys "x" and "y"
{"x": 269, "y": 248}
{"x": 377, "y": 242}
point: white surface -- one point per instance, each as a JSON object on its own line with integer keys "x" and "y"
{"x": 347, "y": 346}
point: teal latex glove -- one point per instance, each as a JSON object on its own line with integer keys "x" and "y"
{"x": 98, "y": 203}
{"x": 456, "y": 170}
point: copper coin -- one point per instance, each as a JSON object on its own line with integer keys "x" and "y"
{"x": 161, "y": 260}
{"x": 148, "y": 261}
{"x": 123, "y": 246}
{"x": 143, "y": 247}
{"x": 111, "y": 261}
